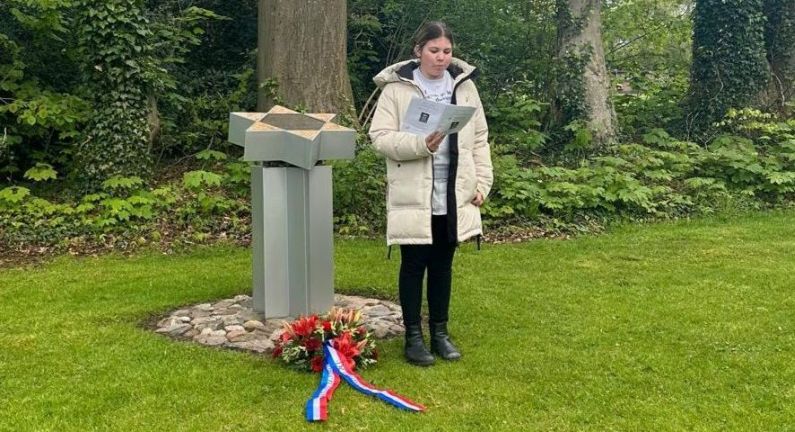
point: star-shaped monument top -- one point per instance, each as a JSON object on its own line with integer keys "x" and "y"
{"x": 285, "y": 135}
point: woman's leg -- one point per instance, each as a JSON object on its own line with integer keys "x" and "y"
{"x": 440, "y": 278}
{"x": 440, "y": 272}
{"x": 413, "y": 262}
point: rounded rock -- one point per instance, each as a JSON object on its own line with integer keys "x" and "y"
{"x": 252, "y": 325}
{"x": 233, "y": 328}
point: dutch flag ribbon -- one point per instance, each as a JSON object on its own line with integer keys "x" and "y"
{"x": 336, "y": 367}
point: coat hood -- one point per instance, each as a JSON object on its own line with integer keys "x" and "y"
{"x": 403, "y": 70}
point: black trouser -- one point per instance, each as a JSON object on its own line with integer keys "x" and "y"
{"x": 437, "y": 258}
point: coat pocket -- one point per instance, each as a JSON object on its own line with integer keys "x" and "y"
{"x": 405, "y": 184}
{"x": 404, "y": 194}
{"x": 466, "y": 181}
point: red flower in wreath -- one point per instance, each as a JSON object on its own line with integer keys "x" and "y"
{"x": 317, "y": 364}
{"x": 347, "y": 348}
{"x": 312, "y": 345}
{"x": 305, "y": 326}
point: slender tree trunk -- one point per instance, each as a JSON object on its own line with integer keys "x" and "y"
{"x": 153, "y": 119}
{"x": 302, "y": 55}
{"x": 584, "y": 90}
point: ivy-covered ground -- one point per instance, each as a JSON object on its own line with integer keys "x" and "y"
{"x": 673, "y": 326}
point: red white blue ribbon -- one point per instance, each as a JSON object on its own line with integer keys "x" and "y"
{"x": 336, "y": 367}
{"x": 317, "y": 406}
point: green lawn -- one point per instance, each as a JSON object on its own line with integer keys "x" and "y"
{"x": 687, "y": 326}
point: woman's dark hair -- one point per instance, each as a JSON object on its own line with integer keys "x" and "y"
{"x": 429, "y": 31}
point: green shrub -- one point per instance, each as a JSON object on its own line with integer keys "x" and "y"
{"x": 359, "y": 191}
{"x": 662, "y": 177}
{"x": 207, "y": 202}
{"x": 750, "y": 166}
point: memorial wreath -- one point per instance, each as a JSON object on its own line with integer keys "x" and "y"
{"x": 301, "y": 343}
{"x": 335, "y": 345}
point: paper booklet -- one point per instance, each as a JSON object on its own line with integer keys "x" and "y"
{"x": 424, "y": 117}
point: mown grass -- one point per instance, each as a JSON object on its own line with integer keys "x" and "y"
{"x": 686, "y": 326}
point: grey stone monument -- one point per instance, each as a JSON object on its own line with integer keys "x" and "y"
{"x": 291, "y": 206}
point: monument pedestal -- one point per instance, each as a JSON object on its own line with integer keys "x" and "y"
{"x": 293, "y": 248}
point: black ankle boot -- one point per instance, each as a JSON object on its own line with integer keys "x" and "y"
{"x": 415, "y": 350}
{"x": 441, "y": 344}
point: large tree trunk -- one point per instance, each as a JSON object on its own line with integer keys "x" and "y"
{"x": 729, "y": 68}
{"x": 584, "y": 85}
{"x": 302, "y": 50}
{"x": 780, "y": 48}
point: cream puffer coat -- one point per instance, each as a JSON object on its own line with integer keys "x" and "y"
{"x": 409, "y": 163}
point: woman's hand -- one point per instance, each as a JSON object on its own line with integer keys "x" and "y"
{"x": 478, "y": 200}
{"x": 433, "y": 141}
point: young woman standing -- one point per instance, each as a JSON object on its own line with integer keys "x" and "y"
{"x": 435, "y": 183}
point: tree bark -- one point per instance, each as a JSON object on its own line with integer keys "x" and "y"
{"x": 780, "y": 49}
{"x": 153, "y": 119}
{"x": 302, "y": 55}
{"x": 580, "y": 38}
{"x": 729, "y": 69}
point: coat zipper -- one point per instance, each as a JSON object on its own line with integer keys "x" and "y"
{"x": 455, "y": 87}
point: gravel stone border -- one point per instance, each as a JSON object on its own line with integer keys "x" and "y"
{"x": 233, "y": 323}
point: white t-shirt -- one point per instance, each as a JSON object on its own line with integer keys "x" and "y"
{"x": 438, "y": 90}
